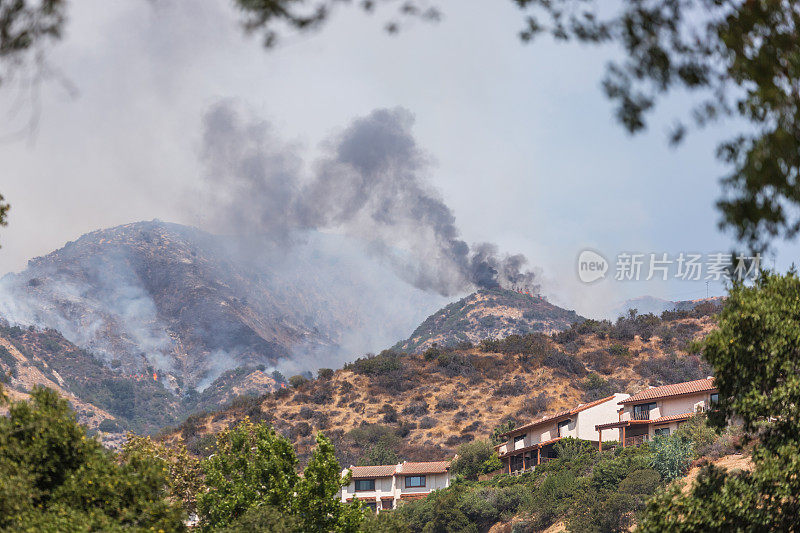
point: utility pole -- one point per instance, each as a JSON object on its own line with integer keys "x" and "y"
{"x": 706, "y": 289}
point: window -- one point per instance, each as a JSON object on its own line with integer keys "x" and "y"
{"x": 519, "y": 438}
{"x": 662, "y": 432}
{"x": 372, "y": 506}
{"x": 642, "y": 411}
{"x": 415, "y": 481}
{"x": 563, "y": 427}
{"x": 713, "y": 400}
{"x": 365, "y": 484}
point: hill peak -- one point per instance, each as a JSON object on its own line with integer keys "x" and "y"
{"x": 489, "y": 313}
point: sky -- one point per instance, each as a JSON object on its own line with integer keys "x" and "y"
{"x": 523, "y": 144}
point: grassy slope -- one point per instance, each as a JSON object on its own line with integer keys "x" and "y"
{"x": 423, "y": 407}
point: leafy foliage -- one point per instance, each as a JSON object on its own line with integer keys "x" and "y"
{"x": 183, "y": 473}
{"x": 754, "y": 356}
{"x": 252, "y": 465}
{"x": 55, "y": 478}
{"x": 671, "y": 455}
{"x": 254, "y": 468}
{"x": 475, "y": 458}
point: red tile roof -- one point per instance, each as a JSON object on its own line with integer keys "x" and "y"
{"x": 368, "y": 472}
{"x": 661, "y": 420}
{"x": 672, "y": 418}
{"x": 552, "y": 418}
{"x": 666, "y": 391}
{"x": 433, "y": 467}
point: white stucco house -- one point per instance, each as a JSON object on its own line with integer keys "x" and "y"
{"x": 532, "y": 444}
{"x": 386, "y": 486}
{"x": 659, "y": 411}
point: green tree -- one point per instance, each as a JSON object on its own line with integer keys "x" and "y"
{"x": 263, "y": 519}
{"x": 251, "y": 479}
{"x": 316, "y": 503}
{"x": 252, "y": 466}
{"x": 754, "y": 356}
{"x": 475, "y": 458}
{"x": 379, "y": 453}
{"x": 53, "y": 477}
{"x": 504, "y": 427}
{"x": 183, "y": 473}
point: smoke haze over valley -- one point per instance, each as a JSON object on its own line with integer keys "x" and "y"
{"x": 194, "y": 305}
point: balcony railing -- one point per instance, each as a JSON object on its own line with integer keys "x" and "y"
{"x": 641, "y": 415}
{"x": 636, "y": 440}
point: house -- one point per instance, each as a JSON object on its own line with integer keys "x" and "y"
{"x": 532, "y": 444}
{"x": 659, "y": 410}
{"x": 385, "y": 486}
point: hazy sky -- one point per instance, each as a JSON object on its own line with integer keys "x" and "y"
{"x": 526, "y": 150}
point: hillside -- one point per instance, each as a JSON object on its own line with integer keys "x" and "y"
{"x": 489, "y": 314}
{"x": 422, "y": 406}
{"x": 107, "y": 398}
{"x": 655, "y": 305}
{"x": 194, "y": 305}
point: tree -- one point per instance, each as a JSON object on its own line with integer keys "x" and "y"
{"x": 475, "y": 458}
{"x": 757, "y": 372}
{"x": 183, "y": 474}
{"x": 53, "y": 477}
{"x": 505, "y": 427}
{"x": 253, "y": 466}
{"x": 251, "y": 479}
{"x": 4, "y": 208}
{"x": 316, "y": 503}
{"x": 379, "y": 453}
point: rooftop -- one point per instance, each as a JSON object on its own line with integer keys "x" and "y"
{"x": 553, "y": 418}
{"x": 364, "y": 472}
{"x": 405, "y": 468}
{"x": 432, "y": 467}
{"x": 667, "y": 391}
{"x": 660, "y": 420}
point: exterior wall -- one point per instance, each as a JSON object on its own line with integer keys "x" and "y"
{"x": 684, "y": 404}
{"x": 432, "y": 482}
{"x": 383, "y": 488}
{"x": 673, "y": 426}
{"x": 581, "y": 426}
{"x": 674, "y": 406}
{"x": 599, "y": 414}
{"x": 394, "y": 487}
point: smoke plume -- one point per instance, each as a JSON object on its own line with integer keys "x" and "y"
{"x": 370, "y": 184}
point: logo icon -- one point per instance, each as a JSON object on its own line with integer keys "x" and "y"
{"x": 591, "y": 266}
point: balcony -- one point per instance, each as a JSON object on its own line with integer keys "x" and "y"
{"x": 641, "y": 415}
{"x": 636, "y": 440}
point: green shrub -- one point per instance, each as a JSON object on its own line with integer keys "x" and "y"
{"x": 671, "y": 455}
{"x": 379, "y": 454}
{"x": 325, "y": 373}
{"x": 297, "y": 381}
{"x": 473, "y": 458}
{"x": 613, "y": 468}
{"x": 376, "y": 365}
{"x": 644, "y": 481}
